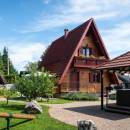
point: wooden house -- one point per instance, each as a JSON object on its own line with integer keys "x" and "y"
{"x": 74, "y": 57}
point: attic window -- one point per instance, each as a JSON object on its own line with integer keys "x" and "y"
{"x": 86, "y": 51}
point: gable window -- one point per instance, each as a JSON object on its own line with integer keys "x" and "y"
{"x": 86, "y": 51}
{"x": 94, "y": 77}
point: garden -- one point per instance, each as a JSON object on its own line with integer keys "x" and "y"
{"x": 30, "y": 94}
{"x": 42, "y": 122}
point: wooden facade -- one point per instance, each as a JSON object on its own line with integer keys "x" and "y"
{"x": 78, "y": 76}
{"x": 76, "y": 67}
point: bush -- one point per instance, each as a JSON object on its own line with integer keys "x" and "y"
{"x": 80, "y": 96}
{"x": 7, "y": 93}
{"x": 10, "y": 78}
{"x": 36, "y": 85}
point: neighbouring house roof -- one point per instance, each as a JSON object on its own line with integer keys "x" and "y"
{"x": 118, "y": 62}
{"x": 63, "y": 49}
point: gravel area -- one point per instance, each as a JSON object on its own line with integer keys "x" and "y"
{"x": 71, "y": 112}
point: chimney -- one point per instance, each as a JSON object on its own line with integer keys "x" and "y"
{"x": 66, "y": 31}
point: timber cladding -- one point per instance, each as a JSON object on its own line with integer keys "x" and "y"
{"x": 84, "y": 84}
{"x": 89, "y": 41}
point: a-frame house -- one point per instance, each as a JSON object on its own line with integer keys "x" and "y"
{"x": 73, "y": 58}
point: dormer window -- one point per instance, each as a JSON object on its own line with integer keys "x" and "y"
{"x": 86, "y": 51}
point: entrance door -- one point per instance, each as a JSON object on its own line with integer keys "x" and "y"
{"x": 74, "y": 81}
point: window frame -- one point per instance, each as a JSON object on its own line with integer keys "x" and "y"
{"x": 95, "y": 77}
{"x": 86, "y": 51}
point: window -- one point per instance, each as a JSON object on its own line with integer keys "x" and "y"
{"x": 86, "y": 51}
{"x": 94, "y": 77}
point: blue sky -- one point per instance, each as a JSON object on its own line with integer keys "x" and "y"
{"x": 27, "y": 27}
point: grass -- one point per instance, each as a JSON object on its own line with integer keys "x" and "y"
{"x": 56, "y": 101}
{"x": 80, "y": 96}
{"x": 44, "y": 101}
{"x": 42, "y": 122}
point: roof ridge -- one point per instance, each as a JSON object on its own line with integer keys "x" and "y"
{"x": 120, "y": 55}
{"x": 91, "y": 19}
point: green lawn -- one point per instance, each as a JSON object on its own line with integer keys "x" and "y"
{"x": 56, "y": 101}
{"x": 44, "y": 101}
{"x": 42, "y": 122}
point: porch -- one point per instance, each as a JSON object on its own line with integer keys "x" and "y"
{"x": 119, "y": 65}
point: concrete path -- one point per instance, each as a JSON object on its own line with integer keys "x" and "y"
{"x": 71, "y": 112}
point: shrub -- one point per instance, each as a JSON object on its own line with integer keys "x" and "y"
{"x": 80, "y": 96}
{"x": 7, "y": 93}
{"x": 35, "y": 85}
{"x": 10, "y": 78}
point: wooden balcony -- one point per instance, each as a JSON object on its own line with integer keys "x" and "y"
{"x": 88, "y": 62}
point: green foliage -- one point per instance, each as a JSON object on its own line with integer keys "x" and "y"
{"x": 7, "y": 93}
{"x": 31, "y": 67}
{"x": 80, "y": 96}
{"x": 43, "y": 121}
{"x": 45, "y": 51}
{"x": 6, "y": 63}
{"x": 1, "y": 64}
{"x": 5, "y": 60}
{"x": 55, "y": 101}
{"x": 36, "y": 84}
{"x": 10, "y": 78}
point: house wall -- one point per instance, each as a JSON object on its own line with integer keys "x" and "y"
{"x": 64, "y": 87}
{"x": 84, "y": 84}
{"x": 89, "y": 41}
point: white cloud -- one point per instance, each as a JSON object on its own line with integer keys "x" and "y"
{"x": 46, "y": 1}
{"x": 117, "y": 39}
{"x": 24, "y": 53}
{"x": 77, "y": 11}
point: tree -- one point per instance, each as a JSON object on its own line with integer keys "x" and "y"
{"x": 35, "y": 85}
{"x": 12, "y": 70}
{"x": 44, "y": 53}
{"x": 1, "y": 65}
{"x": 5, "y": 60}
{"x": 7, "y": 93}
{"x": 7, "y": 67}
{"x": 31, "y": 67}
{"x": 46, "y": 85}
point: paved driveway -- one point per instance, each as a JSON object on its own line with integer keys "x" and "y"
{"x": 71, "y": 112}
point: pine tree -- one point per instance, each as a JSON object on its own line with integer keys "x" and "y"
{"x": 1, "y": 65}
{"x": 7, "y": 63}
{"x": 12, "y": 70}
{"x": 5, "y": 60}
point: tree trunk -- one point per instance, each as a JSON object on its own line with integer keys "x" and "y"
{"x": 7, "y": 100}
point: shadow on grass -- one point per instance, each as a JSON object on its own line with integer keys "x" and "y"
{"x": 96, "y": 111}
{"x": 18, "y": 98}
{"x": 13, "y": 107}
{"x": 19, "y": 123}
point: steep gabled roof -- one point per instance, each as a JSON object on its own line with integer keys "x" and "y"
{"x": 63, "y": 49}
{"x": 120, "y": 61}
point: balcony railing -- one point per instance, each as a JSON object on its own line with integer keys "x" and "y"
{"x": 85, "y": 61}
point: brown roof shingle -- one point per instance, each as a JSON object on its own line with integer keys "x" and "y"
{"x": 62, "y": 49}
{"x": 120, "y": 61}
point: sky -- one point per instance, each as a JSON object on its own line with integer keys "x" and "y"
{"x": 27, "y": 27}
